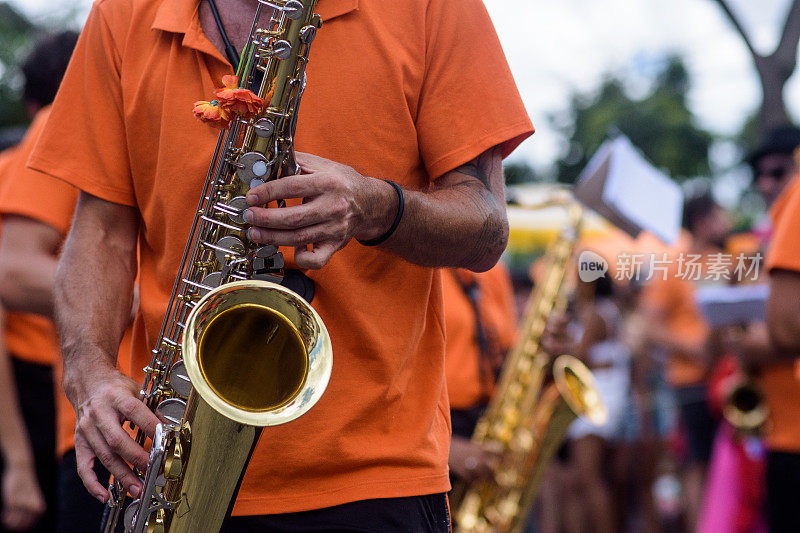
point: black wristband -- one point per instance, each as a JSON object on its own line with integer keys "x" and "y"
{"x": 401, "y": 205}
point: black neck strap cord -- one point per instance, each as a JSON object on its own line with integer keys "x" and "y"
{"x": 230, "y": 51}
{"x": 485, "y": 365}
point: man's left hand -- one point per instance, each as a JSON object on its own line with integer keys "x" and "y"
{"x": 338, "y": 204}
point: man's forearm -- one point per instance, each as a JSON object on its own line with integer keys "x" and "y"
{"x": 449, "y": 228}
{"x": 461, "y": 222}
{"x": 94, "y": 283}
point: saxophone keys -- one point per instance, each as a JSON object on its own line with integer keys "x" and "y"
{"x": 293, "y": 9}
{"x": 228, "y": 245}
{"x": 129, "y": 517}
{"x": 515, "y": 391}
{"x": 237, "y": 204}
{"x": 267, "y": 259}
{"x": 280, "y": 49}
{"x": 252, "y": 165}
{"x": 171, "y": 410}
{"x": 503, "y": 433}
{"x": 264, "y": 127}
{"x": 508, "y": 509}
{"x": 506, "y": 477}
{"x": 210, "y": 281}
{"x": 510, "y": 416}
{"x": 523, "y": 441}
{"x": 307, "y": 34}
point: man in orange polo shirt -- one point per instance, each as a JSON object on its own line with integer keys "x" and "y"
{"x": 480, "y": 326}
{"x": 418, "y": 92}
{"x": 779, "y": 380}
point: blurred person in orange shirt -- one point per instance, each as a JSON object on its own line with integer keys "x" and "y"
{"x": 676, "y": 325}
{"x": 26, "y": 279}
{"x": 23, "y": 502}
{"x": 778, "y": 379}
{"x": 480, "y": 327}
{"x": 33, "y": 231}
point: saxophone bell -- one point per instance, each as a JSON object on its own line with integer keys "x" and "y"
{"x": 745, "y": 408}
{"x": 257, "y": 355}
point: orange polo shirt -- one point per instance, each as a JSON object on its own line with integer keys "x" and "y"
{"x": 780, "y": 382}
{"x": 465, "y": 386}
{"x": 402, "y": 90}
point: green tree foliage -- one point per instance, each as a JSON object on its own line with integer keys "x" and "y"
{"x": 17, "y": 34}
{"x": 660, "y": 124}
{"x": 518, "y": 173}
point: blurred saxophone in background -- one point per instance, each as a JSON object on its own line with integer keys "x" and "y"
{"x": 237, "y": 352}
{"x": 536, "y": 400}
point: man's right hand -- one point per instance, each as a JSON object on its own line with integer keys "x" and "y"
{"x": 104, "y": 399}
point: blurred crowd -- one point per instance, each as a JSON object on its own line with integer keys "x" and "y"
{"x": 703, "y": 432}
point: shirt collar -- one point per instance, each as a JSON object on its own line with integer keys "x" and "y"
{"x": 179, "y": 16}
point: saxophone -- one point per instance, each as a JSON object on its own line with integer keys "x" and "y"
{"x": 536, "y": 400}
{"x": 237, "y": 351}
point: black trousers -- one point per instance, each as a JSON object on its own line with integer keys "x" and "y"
{"x": 783, "y": 492}
{"x": 35, "y": 391}
{"x": 414, "y": 514}
{"x": 78, "y": 511}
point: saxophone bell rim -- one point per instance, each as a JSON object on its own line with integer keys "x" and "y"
{"x": 585, "y": 402}
{"x": 748, "y": 419}
{"x": 320, "y": 359}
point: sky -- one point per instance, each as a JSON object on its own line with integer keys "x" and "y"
{"x": 557, "y": 48}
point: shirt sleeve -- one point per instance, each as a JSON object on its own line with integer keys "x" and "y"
{"x": 784, "y": 247}
{"x": 468, "y": 101}
{"x": 29, "y": 193}
{"x": 84, "y": 142}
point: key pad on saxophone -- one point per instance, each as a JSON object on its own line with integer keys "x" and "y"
{"x": 225, "y": 289}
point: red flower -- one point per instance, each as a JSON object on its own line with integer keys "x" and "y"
{"x": 234, "y": 99}
{"x": 211, "y": 113}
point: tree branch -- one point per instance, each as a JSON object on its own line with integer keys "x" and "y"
{"x": 739, "y": 28}
{"x": 786, "y": 52}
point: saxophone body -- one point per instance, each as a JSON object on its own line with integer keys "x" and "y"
{"x": 237, "y": 352}
{"x": 536, "y": 400}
